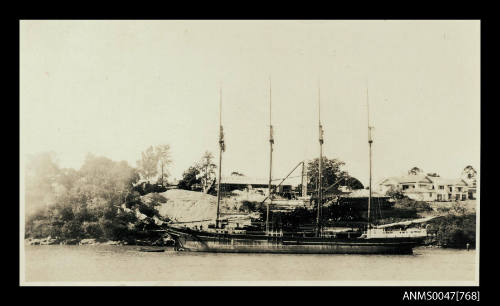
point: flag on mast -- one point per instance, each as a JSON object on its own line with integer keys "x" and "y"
{"x": 221, "y": 140}
{"x": 319, "y": 115}
{"x": 271, "y": 138}
{"x": 320, "y": 134}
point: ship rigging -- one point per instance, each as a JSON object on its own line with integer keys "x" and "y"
{"x": 241, "y": 241}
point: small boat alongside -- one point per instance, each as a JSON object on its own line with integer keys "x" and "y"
{"x": 151, "y": 250}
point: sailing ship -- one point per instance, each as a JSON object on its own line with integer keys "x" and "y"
{"x": 224, "y": 240}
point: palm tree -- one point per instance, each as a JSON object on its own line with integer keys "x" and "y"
{"x": 415, "y": 171}
{"x": 469, "y": 174}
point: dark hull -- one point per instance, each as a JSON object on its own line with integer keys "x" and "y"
{"x": 199, "y": 241}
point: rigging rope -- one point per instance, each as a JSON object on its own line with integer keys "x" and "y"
{"x": 379, "y": 210}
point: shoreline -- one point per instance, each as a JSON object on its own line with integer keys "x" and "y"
{"x": 92, "y": 242}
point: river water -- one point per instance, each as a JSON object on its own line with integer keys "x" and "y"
{"x": 123, "y": 264}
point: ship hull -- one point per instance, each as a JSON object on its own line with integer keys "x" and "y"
{"x": 196, "y": 241}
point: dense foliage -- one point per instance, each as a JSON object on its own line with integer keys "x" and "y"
{"x": 332, "y": 175}
{"x": 190, "y": 177}
{"x": 455, "y": 231}
{"x": 97, "y": 201}
{"x": 250, "y": 206}
{"x": 345, "y": 212}
{"x": 395, "y": 193}
{"x": 412, "y": 205}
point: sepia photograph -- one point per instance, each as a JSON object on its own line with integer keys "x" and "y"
{"x": 249, "y": 152}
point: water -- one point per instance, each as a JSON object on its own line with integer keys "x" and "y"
{"x": 127, "y": 264}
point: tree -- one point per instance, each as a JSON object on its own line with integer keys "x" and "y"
{"x": 67, "y": 178}
{"x": 415, "y": 171}
{"x": 454, "y": 230}
{"x": 103, "y": 178}
{"x": 395, "y": 193}
{"x": 148, "y": 164}
{"x": 469, "y": 174}
{"x": 86, "y": 196}
{"x": 189, "y": 178}
{"x": 96, "y": 201}
{"x": 164, "y": 159}
{"x": 331, "y": 174}
{"x": 353, "y": 182}
{"x": 207, "y": 170}
{"x": 459, "y": 208}
{"x": 41, "y": 175}
{"x": 154, "y": 162}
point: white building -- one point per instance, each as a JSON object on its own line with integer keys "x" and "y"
{"x": 429, "y": 188}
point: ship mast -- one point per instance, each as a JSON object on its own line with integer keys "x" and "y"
{"x": 370, "y": 141}
{"x": 271, "y": 142}
{"x": 222, "y": 148}
{"x": 320, "y": 191}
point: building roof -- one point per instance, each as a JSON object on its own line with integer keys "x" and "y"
{"x": 419, "y": 178}
{"x": 422, "y": 179}
{"x": 445, "y": 181}
{"x": 245, "y": 180}
{"x": 470, "y": 182}
{"x": 363, "y": 193}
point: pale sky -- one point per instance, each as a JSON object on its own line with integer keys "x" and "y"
{"x": 113, "y": 88}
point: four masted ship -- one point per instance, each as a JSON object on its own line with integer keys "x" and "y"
{"x": 224, "y": 240}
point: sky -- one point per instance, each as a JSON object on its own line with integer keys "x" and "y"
{"x": 114, "y": 88}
